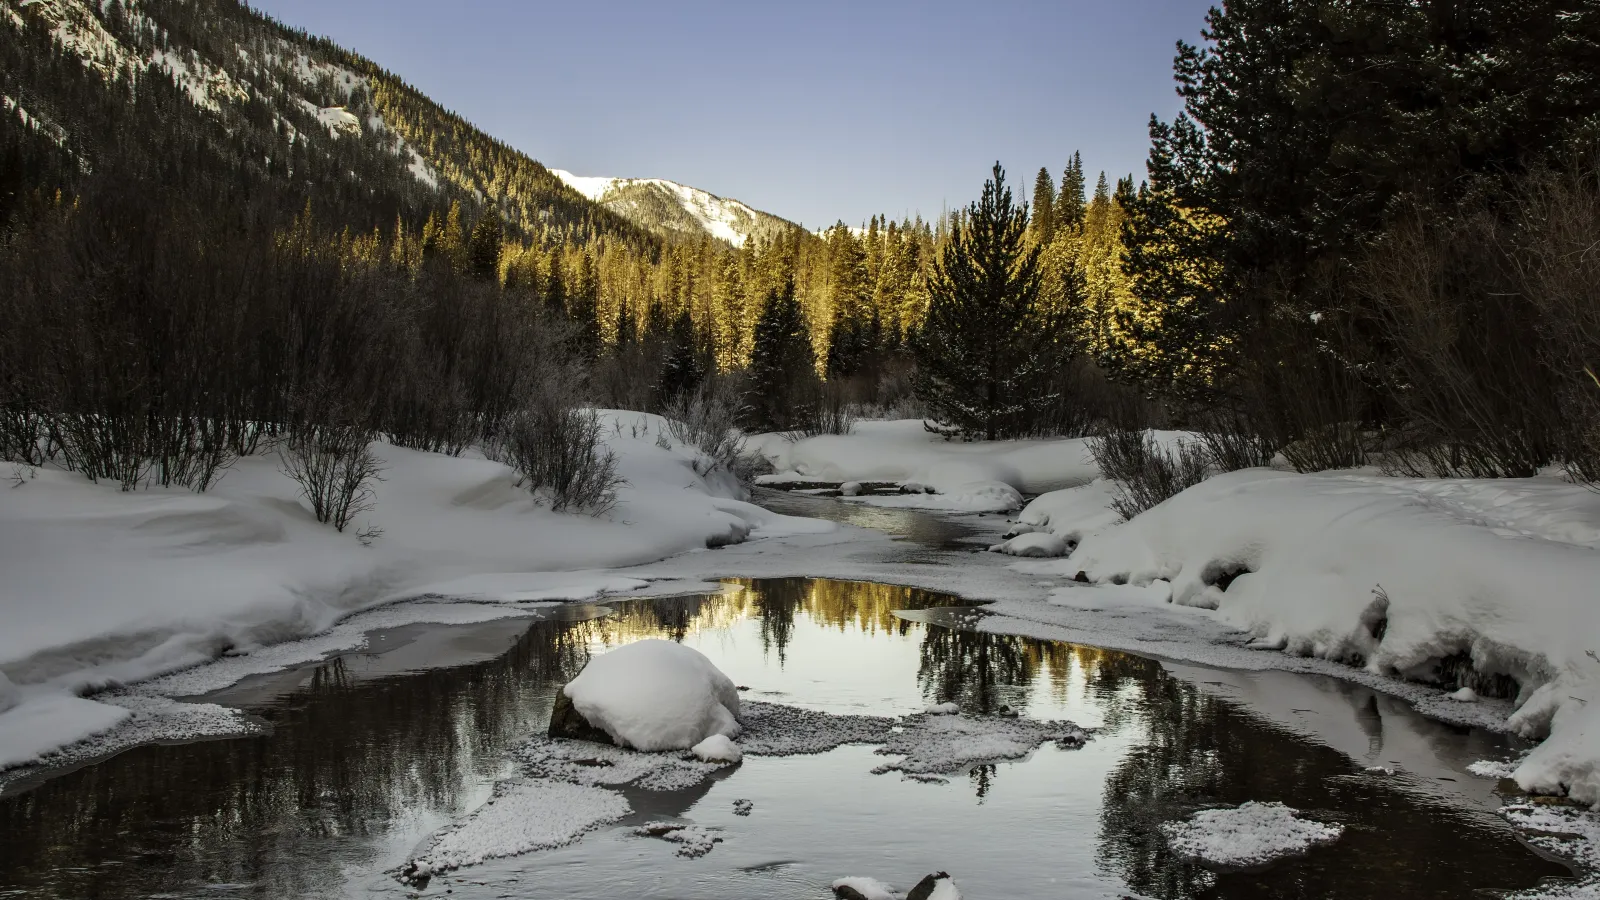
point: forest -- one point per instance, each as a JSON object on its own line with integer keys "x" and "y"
{"x": 1332, "y": 268}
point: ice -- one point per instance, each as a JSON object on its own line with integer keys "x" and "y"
{"x": 693, "y": 841}
{"x": 1250, "y": 835}
{"x": 1567, "y": 832}
{"x": 949, "y": 744}
{"x": 519, "y": 818}
{"x": 717, "y": 748}
{"x": 656, "y": 695}
{"x": 1493, "y": 768}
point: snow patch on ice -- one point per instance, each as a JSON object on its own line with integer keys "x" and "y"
{"x": 693, "y": 841}
{"x": 1250, "y": 835}
{"x": 949, "y": 744}
{"x": 521, "y": 817}
{"x": 1564, "y": 831}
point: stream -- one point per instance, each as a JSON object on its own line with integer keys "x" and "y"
{"x": 370, "y": 752}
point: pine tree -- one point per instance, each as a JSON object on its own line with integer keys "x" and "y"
{"x": 1070, "y": 208}
{"x": 852, "y": 337}
{"x": 782, "y": 365}
{"x": 585, "y": 308}
{"x": 1043, "y": 225}
{"x": 684, "y": 369}
{"x": 483, "y": 250}
{"x": 986, "y": 352}
{"x": 555, "y": 285}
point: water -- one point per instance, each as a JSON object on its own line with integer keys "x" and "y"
{"x": 372, "y": 751}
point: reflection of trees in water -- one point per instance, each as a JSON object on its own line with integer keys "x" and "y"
{"x": 286, "y": 812}
{"x": 1193, "y": 749}
{"x": 976, "y": 669}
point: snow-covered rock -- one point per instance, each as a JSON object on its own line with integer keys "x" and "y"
{"x": 850, "y": 489}
{"x": 1248, "y": 835}
{"x": 1038, "y": 544}
{"x": 943, "y": 709}
{"x": 938, "y": 886}
{"x": 656, "y": 695}
{"x": 717, "y": 748}
{"x": 859, "y": 887}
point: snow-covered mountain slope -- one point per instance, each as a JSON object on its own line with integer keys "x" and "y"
{"x": 306, "y": 108}
{"x": 670, "y": 208}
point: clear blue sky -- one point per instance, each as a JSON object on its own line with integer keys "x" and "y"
{"x": 814, "y": 110}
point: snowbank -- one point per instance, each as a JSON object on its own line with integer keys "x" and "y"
{"x": 1481, "y": 584}
{"x": 104, "y": 587}
{"x": 976, "y": 476}
{"x": 657, "y": 695}
{"x": 1250, "y": 835}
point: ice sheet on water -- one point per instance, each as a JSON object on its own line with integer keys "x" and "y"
{"x": 1249, "y": 835}
{"x": 522, "y": 816}
{"x": 947, "y": 744}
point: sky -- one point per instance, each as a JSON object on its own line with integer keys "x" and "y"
{"x": 817, "y": 111}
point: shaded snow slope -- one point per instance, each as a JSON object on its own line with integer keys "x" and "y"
{"x": 659, "y": 204}
{"x": 104, "y": 587}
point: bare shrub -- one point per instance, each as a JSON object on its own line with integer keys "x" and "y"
{"x": 1464, "y": 367}
{"x": 335, "y": 468}
{"x": 559, "y": 456}
{"x": 825, "y": 411}
{"x": 707, "y": 421}
{"x": 1145, "y": 472}
{"x": 1558, "y": 264}
{"x": 1233, "y": 443}
{"x": 113, "y": 446}
{"x": 22, "y": 432}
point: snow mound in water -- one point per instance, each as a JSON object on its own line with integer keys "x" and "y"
{"x": 1250, "y": 835}
{"x": 717, "y": 748}
{"x": 656, "y": 695}
{"x": 519, "y": 818}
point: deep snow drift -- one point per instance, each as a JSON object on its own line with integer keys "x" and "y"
{"x": 104, "y": 587}
{"x": 978, "y": 476}
{"x": 659, "y": 695}
{"x": 1489, "y": 585}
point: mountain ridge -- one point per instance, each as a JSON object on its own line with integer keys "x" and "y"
{"x": 677, "y": 208}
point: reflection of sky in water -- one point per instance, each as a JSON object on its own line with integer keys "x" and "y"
{"x": 365, "y": 762}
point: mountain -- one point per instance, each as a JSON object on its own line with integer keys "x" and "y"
{"x": 671, "y": 209}
{"x": 89, "y": 86}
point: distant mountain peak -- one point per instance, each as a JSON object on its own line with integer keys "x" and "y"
{"x": 676, "y": 209}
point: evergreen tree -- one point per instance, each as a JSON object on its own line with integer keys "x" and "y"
{"x": 1070, "y": 208}
{"x": 555, "y": 285}
{"x": 986, "y": 351}
{"x": 852, "y": 334}
{"x": 585, "y": 308}
{"x": 684, "y": 368}
{"x": 782, "y": 364}
{"x": 483, "y": 252}
{"x": 1043, "y": 226}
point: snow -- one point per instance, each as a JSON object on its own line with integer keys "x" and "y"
{"x": 693, "y": 841}
{"x": 950, "y": 744}
{"x": 1034, "y": 544}
{"x": 1394, "y": 576}
{"x": 870, "y": 888}
{"x": 717, "y": 748}
{"x": 725, "y": 219}
{"x": 944, "y": 709}
{"x": 1566, "y": 832}
{"x": 1492, "y": 768}
{"x": 945, "y": 889}
{"x": 45, "y": 722}
{"x": 105, "y": 588}
{"x": 656, "y": 695}
{"x": 521, "y": 817}
{"x": 1250, "y": 835}
{"x": 978, "y": 476}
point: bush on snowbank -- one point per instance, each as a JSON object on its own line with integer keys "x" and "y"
{"x": 1145, "y": 472}
{"x": 335, "y": 468}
